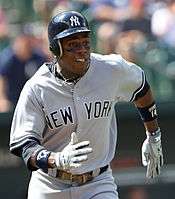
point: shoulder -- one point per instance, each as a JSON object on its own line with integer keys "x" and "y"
{"x": 115, "y": 62}
{"x": 42, "y": 71}
{"x": 111, "y": 58}
{"x": 41, "y": 75}
{"x": 115, "y": 68}
{"x": 106, "y": 61}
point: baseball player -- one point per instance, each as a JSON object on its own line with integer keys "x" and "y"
{"x": 64, "y": 124}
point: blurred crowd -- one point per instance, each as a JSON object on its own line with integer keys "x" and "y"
{"x": 142, "y": 31}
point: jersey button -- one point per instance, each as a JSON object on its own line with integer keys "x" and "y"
{"x": 78, "y": 98}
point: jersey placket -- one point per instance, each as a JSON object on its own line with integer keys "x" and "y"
{"x": 76, "y": 99}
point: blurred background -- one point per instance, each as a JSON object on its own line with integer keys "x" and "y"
{"x": 142, "y": 31}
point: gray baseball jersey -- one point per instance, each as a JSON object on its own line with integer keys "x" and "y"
{"x": 50, "y": 109}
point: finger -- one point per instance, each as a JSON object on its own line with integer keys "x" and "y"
{"x": 161, "y": 160}
{"x": 75, "y": 165}
{"x": 159, "y": 165}
{"x": 145, "y": 159}
{"x": 158, "y": 170}
{"x": 81, "y": 145}
{"x": 148, "y": 172}
{"x": 82, "y": 151}
{"x": 155, "y": 168}
{"x": 150, "y": 168}
{"x": 78, "y": 159}
{"x": 74, "y": 138}
{"x": 155, "y": 171}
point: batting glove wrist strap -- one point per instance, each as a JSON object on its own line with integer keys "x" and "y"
{"x": 155, "y": 136}
{"x": 41, "y": 160}
{"x": 152, "y": 155}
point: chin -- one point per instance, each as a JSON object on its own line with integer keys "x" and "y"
{"x": 80, "y": 67}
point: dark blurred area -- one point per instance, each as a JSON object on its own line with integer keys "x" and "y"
{"x": 142, "y": 31}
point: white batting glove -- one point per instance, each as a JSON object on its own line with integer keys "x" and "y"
{"x": 73, "y": 154}
{"x": 152, "y": 155}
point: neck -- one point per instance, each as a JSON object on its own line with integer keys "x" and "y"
{"x": 67, "y": 75}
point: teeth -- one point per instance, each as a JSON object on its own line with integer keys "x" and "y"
{"x": 80, "y": 60}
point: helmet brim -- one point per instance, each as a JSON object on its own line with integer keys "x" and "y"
{"x": 72, "y": 31}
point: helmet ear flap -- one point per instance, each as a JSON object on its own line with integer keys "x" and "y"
{"x": 55, "y": 48}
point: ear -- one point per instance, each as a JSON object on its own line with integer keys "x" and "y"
{"x": 56, "y": 48}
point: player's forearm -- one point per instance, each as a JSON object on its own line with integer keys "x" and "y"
{"x": 33, "y": 154}
{"x": 152, "y": 155}
{"x": 70, "y": 157}
{"x": 49, "y": 160}
{"x": 147, "y": 109}
{"x": 151, "y": 126}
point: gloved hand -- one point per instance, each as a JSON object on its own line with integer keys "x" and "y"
{"x": 73, "y": 154}
{"x": 152, "y": 155}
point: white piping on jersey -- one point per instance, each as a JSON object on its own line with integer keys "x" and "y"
{"x": 139, "y": 89}
{"x": 22, "y": 141}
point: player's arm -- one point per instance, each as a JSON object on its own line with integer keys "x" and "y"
{"x": 152, "y": 156}
{"x": 27, "y": 129}
{"x": 133, "y": 86}
{"x": 147, "y": 103}
{"x": 36, "y": 156}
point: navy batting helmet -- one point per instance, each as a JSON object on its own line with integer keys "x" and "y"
{"x": 63, "y": 25}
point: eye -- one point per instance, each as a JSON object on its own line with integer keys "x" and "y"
{"x": 86, "y": 43}
{"x": 73, "y": 45}
{"x": 77, "y": 44}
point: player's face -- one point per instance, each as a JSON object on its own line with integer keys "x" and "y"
{"x": 76, "y": 53}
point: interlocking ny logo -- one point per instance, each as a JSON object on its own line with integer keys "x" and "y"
{"x": 74, "y": 21}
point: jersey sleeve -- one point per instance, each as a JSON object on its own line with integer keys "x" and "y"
{"x": 130, "y": 81}
{"x": 28, "y": 119}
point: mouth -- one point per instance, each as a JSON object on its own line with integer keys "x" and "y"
{"x": 82, "y": 59}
